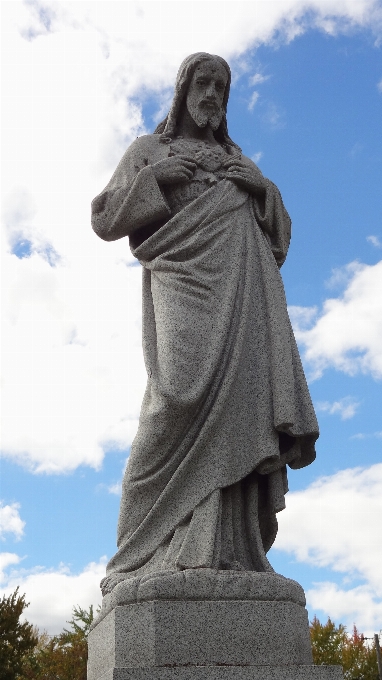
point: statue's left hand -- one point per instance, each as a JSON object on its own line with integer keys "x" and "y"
{"x": 244, "y": 175}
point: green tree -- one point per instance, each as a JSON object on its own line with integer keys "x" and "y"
{"x": 327, "y": 642}
{"x": 16, "y": 639}
{"x": 332, "y": 645}
{"x": 63, "y": 656}
{"x": 359, "y": 660}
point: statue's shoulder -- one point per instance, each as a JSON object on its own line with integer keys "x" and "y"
{"x": 144, "y": 150}
{"x": 249, "y": 161}
{"x": 150, "y": 144}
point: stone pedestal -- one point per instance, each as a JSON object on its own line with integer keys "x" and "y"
{"x": 214, "y": 640}
{"x": 230, "y": 673}
{"x": 205, "y": 625}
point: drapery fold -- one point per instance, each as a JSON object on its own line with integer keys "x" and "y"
{"x": 225, "y": 380}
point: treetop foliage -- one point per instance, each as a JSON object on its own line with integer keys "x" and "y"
{"x": 332, "y": 645}
{"x": 63, "y": 656}
{"x": 17, "y": 639}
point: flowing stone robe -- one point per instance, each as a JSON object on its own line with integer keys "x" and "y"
{"x": 226, "y": 404}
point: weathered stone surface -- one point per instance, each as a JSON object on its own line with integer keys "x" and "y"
{"x": 203, "y": 584}
{"x": 200, "y": 633}
{"x": 226, "y": 406}
{"x": 198, "y": 639}
{"x": 224, "y": 673}
{"x": 190, "y": 592}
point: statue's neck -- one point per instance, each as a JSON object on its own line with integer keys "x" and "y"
{"x": 188, "y": 129}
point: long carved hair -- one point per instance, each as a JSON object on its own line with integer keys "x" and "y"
{"x": 167, "y": 128}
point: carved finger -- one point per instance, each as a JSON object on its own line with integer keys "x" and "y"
{"x": 233, "y": 162}
{"x": 190, "y": 165}
{"x": 186, "y": 157}
{"x": 235, "y": 158}
{"x": 237, "y": 172}
{"x": 179, "y": 172}
{"x": 236, "y": 177}
{"x": 235, "y": 168}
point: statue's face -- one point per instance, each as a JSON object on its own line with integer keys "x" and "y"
{"x": 206, "y": 92}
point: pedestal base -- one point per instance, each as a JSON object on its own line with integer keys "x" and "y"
{"x": 232, "y": 673}
{"x": 205, "y": 640}
{"x": 204, "y": 625}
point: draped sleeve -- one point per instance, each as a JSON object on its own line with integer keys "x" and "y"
{"x": 274, "y": 221}
{"x": 132, "y": 199}
{"x": 271, "y": 215}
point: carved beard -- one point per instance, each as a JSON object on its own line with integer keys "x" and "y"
{"x": 203, "y": 114}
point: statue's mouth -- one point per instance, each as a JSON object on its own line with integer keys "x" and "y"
{"x": 209, "y": 105}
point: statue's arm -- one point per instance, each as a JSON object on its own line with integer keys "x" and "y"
{"x": 267, "y": 203}
{"x": 132, "y": 199}
{"x": 274, "y": 221}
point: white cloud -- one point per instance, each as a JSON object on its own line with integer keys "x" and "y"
{"x": 363, "y": 435}
{"x": 302, "y": 317}
{"x": 115, "y": 488}
{"x": 253, "y": 99}
{"x": 257, "y": 79}
{"x": 53, "y": 593}
{"x": 164, "y": 104}
{"x": 6, "y": 560}
{"x": 361, "y": 605}
{"x": 72, "y": 345}
{"x": 24, "y": 236}
{"x": 10, "y": 521}
{"x": 76, "y": 74}
{"x": 341, "y": 276}
{"x": 257, "y": 157}
{"x": 346, "y": 407}
{"x": 335, "y": 523}
{"x": 374, "y": 240}
{"x": 347, "y": 334}
{"x": 379, "y": 85}
{"x": 273, "y": 117}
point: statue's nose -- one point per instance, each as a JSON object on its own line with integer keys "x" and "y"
{"x": 211, "y": 92}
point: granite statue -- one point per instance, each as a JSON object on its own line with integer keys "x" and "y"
{"x": 190, "y": 593}
{"x": 226, "y": 407}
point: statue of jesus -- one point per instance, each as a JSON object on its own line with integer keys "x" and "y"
{"x": 226, "y": 406}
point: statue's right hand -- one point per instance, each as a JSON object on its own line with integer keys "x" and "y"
{"x": 174, "y": 169}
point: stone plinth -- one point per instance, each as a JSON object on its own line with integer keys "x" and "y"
{"x": 179, "y": 640}
{"x": 204, "y": 625}
{"x": 224, "y": 673}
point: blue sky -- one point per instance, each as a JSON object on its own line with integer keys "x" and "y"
{"x": 80, "y": 82}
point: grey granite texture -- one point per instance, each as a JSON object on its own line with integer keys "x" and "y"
{"x": 200, "y": 633}
{"x": 226, "y": 405}
{"x": 230, "y": 673}
{"x": 190, "y": 592}
{"x": 205, "y": 639}
{"x": 203, "y": 584}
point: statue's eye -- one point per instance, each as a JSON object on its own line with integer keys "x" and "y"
{"x": 200, "y": 82}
